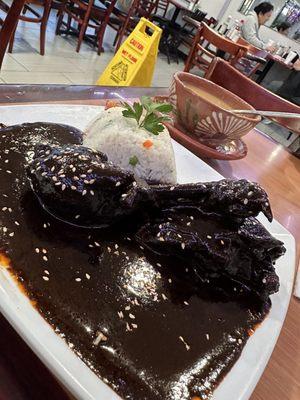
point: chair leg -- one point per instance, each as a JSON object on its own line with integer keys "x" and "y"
{"x": 12, "y": 39}
{"x": 60, "y": 15}
{"x": 43, "y": 27}
{"x": 100, "y": 37}
{"x": 116, "y": 38}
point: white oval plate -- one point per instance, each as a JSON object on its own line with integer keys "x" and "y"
{"x": 54, "y": 352}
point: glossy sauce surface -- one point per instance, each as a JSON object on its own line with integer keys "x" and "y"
{"x": 147, "y": 332}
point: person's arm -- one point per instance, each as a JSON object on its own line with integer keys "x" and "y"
{"x": 249, "y": 33}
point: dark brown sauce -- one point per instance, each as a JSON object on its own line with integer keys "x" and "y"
{"x": 159, "y": 337}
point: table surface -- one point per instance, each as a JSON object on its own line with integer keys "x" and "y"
{"x": 182, "y": 4}
{"x": 279, "y": 60}
{"x": 22, "y": 375}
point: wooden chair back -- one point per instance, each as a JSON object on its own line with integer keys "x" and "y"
{"x": 201, "y": 57}
{"x": 223, "y": 74}
{"x": 8, "y": 25}
{"x": 162, "y": 7}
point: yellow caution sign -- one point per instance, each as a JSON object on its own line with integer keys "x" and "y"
{"x": 133, "y": 64}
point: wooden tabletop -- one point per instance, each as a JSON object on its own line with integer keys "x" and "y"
{"x": 23, "y": 377}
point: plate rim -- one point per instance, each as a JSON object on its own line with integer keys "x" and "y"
{"x": 54, "y": 363}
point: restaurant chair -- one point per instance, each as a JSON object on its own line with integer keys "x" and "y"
{"x": 8, "y": 24}
{"x": 35, "y": 17}
{"x": 201, "y": 57}
{"x": 223, "y": 74}
{"x": 124, "y": 23}
{"x": 87, "y": 15}
{"x": 162, "y": 7}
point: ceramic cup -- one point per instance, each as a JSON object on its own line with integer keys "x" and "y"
{"x": 199, "y": 115}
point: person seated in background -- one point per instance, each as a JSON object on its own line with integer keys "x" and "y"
{"x": 250, "y": 28}
{"x": 283, "y": 28}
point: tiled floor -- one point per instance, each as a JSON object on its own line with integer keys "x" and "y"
{"x": 61, "y": 63}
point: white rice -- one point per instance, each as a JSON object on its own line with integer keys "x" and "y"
{"x": 121, "y": 139}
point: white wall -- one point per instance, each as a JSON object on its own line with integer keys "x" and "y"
{"x": 265, "y": 32}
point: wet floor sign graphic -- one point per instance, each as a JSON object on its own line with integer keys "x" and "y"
{"x": 134, "y": 63}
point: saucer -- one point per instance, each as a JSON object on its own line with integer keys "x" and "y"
{"x": 234, "y": 150}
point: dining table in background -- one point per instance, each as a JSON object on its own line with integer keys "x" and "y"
{"x": 180, "y": 5}
{"x": 271, "y": 60}
{"x": 23, "y": 376}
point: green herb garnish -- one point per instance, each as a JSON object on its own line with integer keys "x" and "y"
{"x": 146, "y": 114}
{"x": 133, "y": 160}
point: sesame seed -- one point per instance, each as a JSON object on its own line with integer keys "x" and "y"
{"x": 89, "y": 171}
{"x": 131, "y": 316}
{"x": 108, "y": 249}
{"x": 84, "y": 192}
{"x": 77, "y": 216}
{"x": 120, "y": 314}
{"x": 170, "y": 280}
{"x": 100, "y": 338}
{"x": 127, "y": 308}
{"x": 161, "y": 239}
{"x": 92, "y": 181}
{"x": 46, "y": 272}
{"x": 88, "y": 276}
{"x": 63, "y": 186}
{"x": 78, "y": 279}
{"x": 240, "y": 341}
{"x": 37, "y": 250}
{"x": 86, "y": 181}
{"x": 9, "y": 209}
{"x": 75, "y": 178}
{"x": 8, "y": 171}
{"x": 128, "y": 238}
{"x": 54, "y": 178}
{"x": 207, "y": 336}
{"x": 4, "y": 229}
{"x": 134, "y": 326}
{"x": 118, "y": 183}
{"x": 128, "y": 327}
{"x": 46, "y": 278}
{"x": 97, "y": 244}
{"x": 209, "y": 237}
{"x": 116, "y": 246}
{"x": 45, "y": 258}
{"x": 45, "y": 226}
{"x": 4, "y": 208}
{"x": 158, "y": 264}
{"x": 222, "y": 242}
{"x": 191, "y": 217}
{"x": 73, "y": 187}
{"x": 164, "y": 296}
{"x": 182, "y": 246}
{"x": 44, "y": 251}
{"x": 52, "y": 169}
{"x": 250, "y": 193}
{"x": 172, "y": 188}
{"x": 44, "y": 173}
{"x": 11, "y": 234}
{"x": 83, "y": 176}
{"x": 264, "y": 280}
{"x": 73, "y": 169}
{"x": 6, "y": 161}
{"x": 116, "y": 253}
{"x": 141, "y": 247}
{"x": 92, "y": 192}
{"x": 188, "y": 223}
{"x": 186, "y": 303}
{"x": 57, "y": 183}
{"x": 246, "y": 201}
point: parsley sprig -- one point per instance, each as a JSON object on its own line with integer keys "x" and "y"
{"x": 148, "y": 114}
